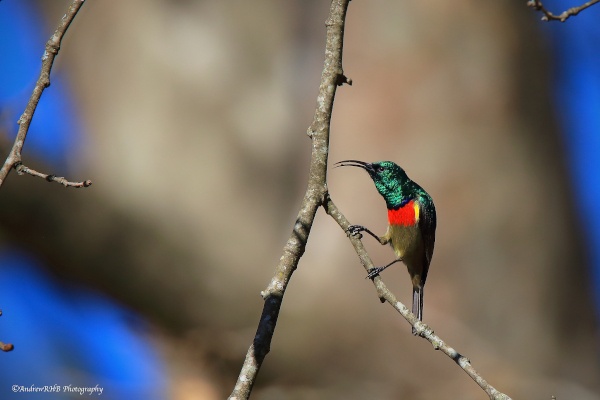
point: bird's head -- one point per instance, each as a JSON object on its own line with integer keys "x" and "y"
{"x": 389, "y": 178}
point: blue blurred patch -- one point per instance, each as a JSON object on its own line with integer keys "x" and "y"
{"x": 66, "y": 336}
{"x": 577, "y": 98}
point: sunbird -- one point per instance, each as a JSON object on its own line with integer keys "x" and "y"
{"x": 411, "y": 223}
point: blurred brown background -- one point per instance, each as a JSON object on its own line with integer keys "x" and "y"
{"x": 195, "y": 115}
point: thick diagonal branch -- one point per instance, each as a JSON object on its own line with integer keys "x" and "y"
{"x": 314, "y": 197}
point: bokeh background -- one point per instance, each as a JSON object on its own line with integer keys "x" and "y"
{"x": 190, "y": 118}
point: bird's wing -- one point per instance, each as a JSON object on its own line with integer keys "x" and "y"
{"x": 427, "y": 224}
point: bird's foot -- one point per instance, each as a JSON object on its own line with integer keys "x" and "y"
{"x": 355, "y": 230}
{"x": 373, "y": 272}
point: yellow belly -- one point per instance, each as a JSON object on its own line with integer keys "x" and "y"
{"x": 407, "y": 243}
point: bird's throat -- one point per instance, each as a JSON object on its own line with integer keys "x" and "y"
{"x": 407, "y": 215}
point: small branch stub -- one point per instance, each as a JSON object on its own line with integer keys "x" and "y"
{"x": 6, "y": 347}
{"x": 341, "y": 79}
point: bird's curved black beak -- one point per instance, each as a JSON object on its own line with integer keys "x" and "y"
{"x": 355, "y": 163}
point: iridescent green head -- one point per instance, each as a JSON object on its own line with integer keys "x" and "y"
{"x": 390, "y": 180}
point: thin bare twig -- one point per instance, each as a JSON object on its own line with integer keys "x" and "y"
{"x": 562, "y": 17}
{"x": 52, "y": 48}
{"x": 22, "y": 169}
{"x": 314, "y": 197}
{"x": 424, "y": 331}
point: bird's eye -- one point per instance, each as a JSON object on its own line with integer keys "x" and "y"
{"x": 380, "y": 169}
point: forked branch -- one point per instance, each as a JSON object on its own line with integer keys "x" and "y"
{"x": 14, "y": 159}
{"x": 316, "y": 195}
{"x": 562, "y": 17}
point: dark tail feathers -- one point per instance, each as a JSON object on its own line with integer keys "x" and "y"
{"x": 417, "y": 306}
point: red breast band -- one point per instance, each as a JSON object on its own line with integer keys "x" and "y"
{"x": 408, "y": 215}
